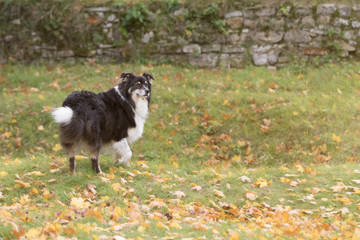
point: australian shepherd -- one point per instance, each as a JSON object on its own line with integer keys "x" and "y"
{"x": 114, "y": 117}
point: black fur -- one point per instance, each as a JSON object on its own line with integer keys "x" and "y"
{"x": 101, "y": 118}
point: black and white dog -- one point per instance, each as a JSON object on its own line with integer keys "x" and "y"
{"x": 114, "y": 117}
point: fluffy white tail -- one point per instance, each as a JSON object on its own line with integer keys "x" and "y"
{"x": 62, "y": 115}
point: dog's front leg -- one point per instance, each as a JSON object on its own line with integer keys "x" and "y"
{"x": 122, "y": 152}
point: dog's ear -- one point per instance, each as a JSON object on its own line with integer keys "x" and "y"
{"x": 149, "y": 77}
{"x": 126, "y": 76}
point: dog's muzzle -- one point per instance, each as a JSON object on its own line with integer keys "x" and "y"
{"x": 145, "y": 92}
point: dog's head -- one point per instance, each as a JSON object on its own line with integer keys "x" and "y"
{"x": 136, "y": 87}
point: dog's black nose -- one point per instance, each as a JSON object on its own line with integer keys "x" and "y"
{"x": 147, "y": 91}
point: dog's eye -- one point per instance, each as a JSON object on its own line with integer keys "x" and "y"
{"x": 138, "y": 83}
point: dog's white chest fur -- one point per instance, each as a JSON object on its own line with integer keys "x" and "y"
{"x": 141, "y": 112}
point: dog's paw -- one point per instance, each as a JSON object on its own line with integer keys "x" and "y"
{"x": 122, "y": 162}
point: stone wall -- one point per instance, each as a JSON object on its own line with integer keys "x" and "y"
{"x": 264, "y": 35}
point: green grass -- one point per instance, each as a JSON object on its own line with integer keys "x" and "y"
{"x": 294, "y": 136}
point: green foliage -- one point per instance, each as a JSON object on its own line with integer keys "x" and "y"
{"x": 284, "y": 10}
{"x": 173, "y": 5}
{"x": 219, "y": 24}
{"x": 211, "y": 11}
{"x": 137, "y": 15}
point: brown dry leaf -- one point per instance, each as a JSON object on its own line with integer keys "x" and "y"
{"x": 134, "y": 212}
{"x": 157, "y": 203}
{"x": 93, "y": 20}
{"x": 245, "y": 179}
{"x": 21, "y": 183}
{"x": 179, "y": 194}
{"x": 339, "y": 187}
{"x": 251, "y": 196}
{"x": 266, "y": 127}
{"x": 165, "y": 78}
{"x": 67, "y": 86}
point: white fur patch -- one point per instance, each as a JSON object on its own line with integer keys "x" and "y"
{"x": 122, "y": 148}
{"x": 62, "y": 115}
{"x": 118, "y": 92}
{"x": 141, "y": 112}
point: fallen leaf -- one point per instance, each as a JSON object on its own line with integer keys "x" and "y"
{"x": 196, "y": 188}
{"x": 79, "y": 203}
{"x": 219, "y": 193}
{"x": 161, "y": 225}
{"x": 93, "y": 20}
{"x": 179, "y": 194}
{"x": 134, "y": 212}
{"x": 251, "y": 196}
{"x": 56, "y": 147}
{"x": 339, "y": 187}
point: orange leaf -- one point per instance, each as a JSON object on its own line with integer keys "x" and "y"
{"x": 134, "y": 212}
{"x": 93, "y": 20}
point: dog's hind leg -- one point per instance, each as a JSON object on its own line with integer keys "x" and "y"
{"x": 94, "y": 156}
{"x": 71, "y": 150}
{"x": 123, "y": 152}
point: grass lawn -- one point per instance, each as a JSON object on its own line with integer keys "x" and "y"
{"x": 226, "y": 154}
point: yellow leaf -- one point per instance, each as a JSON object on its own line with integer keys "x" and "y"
{"x": 7, "y": 134}
{"x": 118, "y": 212}
{"x": 300, "y": 168}
{"x": 33, "y": 233}
{"x": 219, "y": 193}
{"x": 46, "y": 109}
{"x": 261, "y": 183}
{"x": 117, "y": 187}
{"x": 3, "y": 174}
{"x": 235, "y": 236}
{"x": 47, "y": 195}
{"x": 236, "y": 158}
{"x": 282, "y": 168}
{"x": 21, "y": 184}
{"x": 34, "y": 173}
{"x": 336, "y": 139}
{"x": 24, "y": 199}
{"x": 160, "y": 225}
{"x": 79, "y": 203}
{"x": 56, "y": 148}
{"x": 226, "y": 103}
{"x": 34, "y": 191}
{"x": 175, "y": 225}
